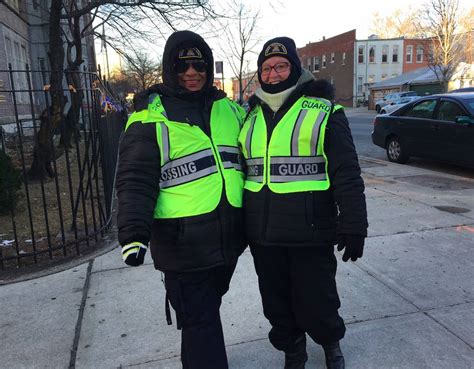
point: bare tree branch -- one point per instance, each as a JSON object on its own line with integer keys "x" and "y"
{"x": 240, "y": 35}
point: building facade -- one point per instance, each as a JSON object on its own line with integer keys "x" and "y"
{"x": 24, "y": 41}
{"x": 416, "y": 53}
{"x": 380, "y": 59}
{"x": 332, "y": 59}
{"x": 14, "y": 51}
{"x": 376, "y": 60}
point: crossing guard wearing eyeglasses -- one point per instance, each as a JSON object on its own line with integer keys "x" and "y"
{"x": 303, "y": 193}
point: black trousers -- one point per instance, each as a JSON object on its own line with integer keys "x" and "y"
{"x": 196, "y": 297}
{"x": 299, "y": 294}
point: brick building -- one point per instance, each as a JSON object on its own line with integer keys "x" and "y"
{"x": 333, "y": 59}
{"x": 416, "y": 52}
{"x": 249, "y": 85}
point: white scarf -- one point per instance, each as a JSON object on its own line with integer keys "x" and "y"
{"x": 275, "y": 101}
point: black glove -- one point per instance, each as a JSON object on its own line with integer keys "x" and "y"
{"x": 134, "y": 253}
{"x": 354, "y": 244}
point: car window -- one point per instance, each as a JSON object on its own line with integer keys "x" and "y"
{"x": 470, "y": 104}
{"x": 423, "y": 109}
{"x": 449, "y": 110}
{"x": 411, "y": 93}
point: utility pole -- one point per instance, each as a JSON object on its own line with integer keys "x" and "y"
{"x": 220, "y": 70}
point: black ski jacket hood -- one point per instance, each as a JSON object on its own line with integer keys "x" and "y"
{"x": 177, "y": 41}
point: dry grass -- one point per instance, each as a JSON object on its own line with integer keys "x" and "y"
{"x": 44, "y": 222}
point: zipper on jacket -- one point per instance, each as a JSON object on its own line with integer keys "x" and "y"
{"x": 223, "y": 193}
{"x": 266, "y": 199}
{"x": 266, "y": 196}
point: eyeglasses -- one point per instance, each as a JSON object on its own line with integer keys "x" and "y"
{"x": 279, "y": 68}
{"x": 183, "y": 65}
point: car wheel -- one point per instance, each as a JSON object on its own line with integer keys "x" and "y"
{"x": 396, "y": 151}
{"x": 377, "y": 108}
{"x": 383, "y": 111}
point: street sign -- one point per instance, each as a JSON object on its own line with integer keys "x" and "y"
{"x": 219, "y": 67}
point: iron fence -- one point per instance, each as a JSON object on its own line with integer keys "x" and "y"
{"x": 65, "y": 210}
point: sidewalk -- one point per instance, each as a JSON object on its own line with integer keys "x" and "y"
{"x": 408, "y": 303}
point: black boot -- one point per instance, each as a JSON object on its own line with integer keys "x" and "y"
{"x": 297, "y": 356}
{"x": 334, "y": 357}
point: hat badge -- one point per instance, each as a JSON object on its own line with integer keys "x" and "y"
{"x": 190, "y": 53}
{"x": 276, "y": 48}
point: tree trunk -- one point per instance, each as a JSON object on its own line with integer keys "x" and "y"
{"x": 52, "y": 116}
{"x": 71, "y": 122}
{"x": 73, "y": 77}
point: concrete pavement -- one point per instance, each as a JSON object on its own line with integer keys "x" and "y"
{"x": 408, "y": 303}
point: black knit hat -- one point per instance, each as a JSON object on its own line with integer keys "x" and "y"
{"x": 286, "y": 48}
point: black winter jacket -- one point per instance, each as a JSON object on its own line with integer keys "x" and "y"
{"x": 312, "y": 218}
{"x": 183, "y": 244}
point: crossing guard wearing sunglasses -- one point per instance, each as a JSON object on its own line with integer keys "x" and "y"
{"x": 179, "y": 186}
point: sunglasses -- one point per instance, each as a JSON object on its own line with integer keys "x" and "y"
{"x": 183, "y": 65}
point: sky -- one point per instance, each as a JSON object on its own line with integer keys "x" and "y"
{"x": 309, "y": 20}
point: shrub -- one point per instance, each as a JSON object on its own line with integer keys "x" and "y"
{"x": 10, "y": 183}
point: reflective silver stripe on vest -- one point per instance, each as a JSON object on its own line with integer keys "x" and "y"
{"x": 296, "y": 132}
{"x": 255, "y": 169}
{"x": 188, "y": 168}
{"x": 231, "y": 157}
{"x": 315, "y": 132}
{"x": 248, "y": 139}
{"x": 165, "y": 142}
{"x": 293, "y": 169}
{"x": 327, "y": 102}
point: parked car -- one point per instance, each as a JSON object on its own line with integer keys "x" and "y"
{"x": 464, "y": 89}
{"x": 398, "y": 104}
{"x": 439, "y": 127}
{"x": 388, "y": 99}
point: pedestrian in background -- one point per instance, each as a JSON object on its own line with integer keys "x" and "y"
{"x": 303, "y": 194}
{"x": 179, "y": 187}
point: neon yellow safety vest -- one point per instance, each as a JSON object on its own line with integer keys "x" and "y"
{"x": 195, "y": 167}
{"x": 293, "y": 160}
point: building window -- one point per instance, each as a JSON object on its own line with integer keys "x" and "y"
{"x": 14, "y": 4}
{"x": 333, "y": 58}
{"x": 316, "y": 64}
{"x": 409, "y": 58}
{"x": 308, "y": 62}
{"x": 395, "y": 54}
{"x": 419, "y": 54}
{"x": 360, "y": 81}
{"x": 41, "y": 64}
{"x": 324, "y": 61}
{"x": 18, "y": 58}
{"x": 372, "y": 54}
{"x": 343, "y": 58}
{"x": 385, "y": 54}
{"x": 360, "y": 54}
{"x": 371, "y": 79}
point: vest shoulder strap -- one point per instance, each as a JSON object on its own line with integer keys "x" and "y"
{"x": 137, "y": 116}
